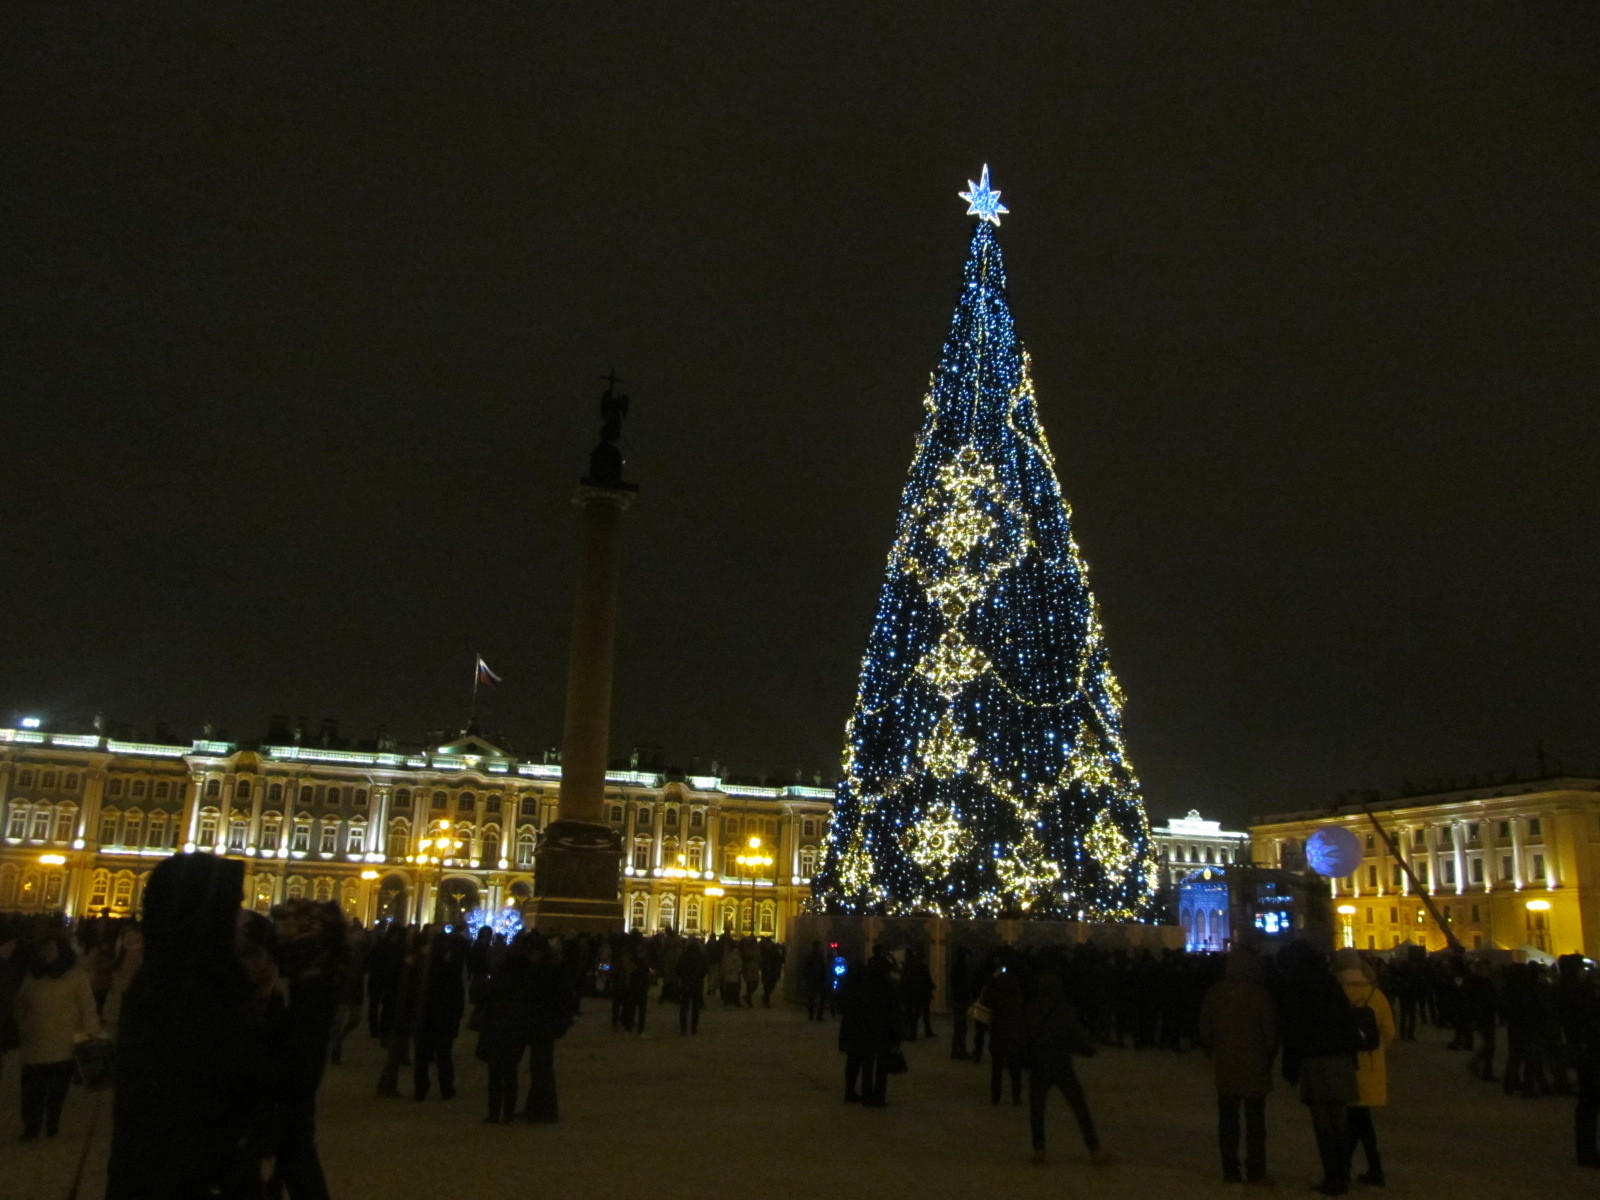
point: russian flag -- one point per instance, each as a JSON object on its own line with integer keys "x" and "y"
{"x": 485, "y": 677}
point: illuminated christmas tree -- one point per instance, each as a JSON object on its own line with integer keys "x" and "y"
{"x": 984, "y": 765}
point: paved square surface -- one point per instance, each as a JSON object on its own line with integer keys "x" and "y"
{"x": 754, "y": 1107}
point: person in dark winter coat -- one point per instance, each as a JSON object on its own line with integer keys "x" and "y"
{"x": 1002, "y": 996}
{"x": 916, "y": 994}
{"x": 549, "y": 1020}
{"x": 1584, "y": 1032}
{"x": 403, "y": 1008}
{"x": 771, "y": 966}
{"x": 960, "y": 1002}
{"x": 1239, "y": 1029}
{"x": 690, "y": 974}
{"x": 1319, "y": 1043}
{"x": 869, "y": 1031}
{"x": 442, "y": 1002}
{"x": 505, "y": 1025}
{"x": 814, "y": 982}
{"x": 1052, "y": 1035}
{"x": 187, "y": 1083}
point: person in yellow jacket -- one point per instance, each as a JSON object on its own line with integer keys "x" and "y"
{"x": 1372, "y": 1070}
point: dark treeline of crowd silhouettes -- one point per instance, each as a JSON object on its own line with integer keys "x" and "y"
{"x": 225, "y": 1020}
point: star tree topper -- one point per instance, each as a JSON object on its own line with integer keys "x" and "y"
{"x": 983, "y": 201}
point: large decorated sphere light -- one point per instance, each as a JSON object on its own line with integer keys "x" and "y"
{"x": 1333, "y": 851}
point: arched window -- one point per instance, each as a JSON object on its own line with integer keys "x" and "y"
{"x": 66, "y": 820}
{"x": 525, "y": 847}
{"x": 322, "y": 888}
{"x": 122, "y": 892}
{"x": 616, "y": 814}
{"x": 696, "y": 855}
{"x": 238, "y": 832}
{"x": 30, "y": 894}
{"x": 210, "y": 825}
{"x": 17, "y": 826}
{"x": 361, "y": 798}
{"x": 691, "y": 915}
{"x": 213, "y": 788}
{"x": 668, "y": 917}
{"x": 328, "y": 839}
{"x": 643, "y": 817}
{"x": 808, "y": 861}
{"x": 399, "y": 837}
{"x": 672, "y": 818}
{"x": 333, "y": 795}
{"x": 138, "y": 787}
{"x": 769, "y": 919}
{"x": 271, "y": 830}
{"x": 467, "y": 803}
{"x": 8, "y": 886}
{"x": 355, "y": 841}
{"x": 639, "y": 911}
{"x": 301, "y": 838}
{"x": 440, "y": 801}
{"x": 71, "y": 783}
{"x": 275, "y": 794}
{"x": 492, "y": 804}
{"x": 109, "y": 820}
{"x": 241, "y": 790}
{"x": 99, "y": 889}
{"x": 491, "y": 845}
{"x": 402, "y": 798}
{"x": 25, "y": 779}
{"x": 296, "y": 888}
{"x": 133, "y": 828}
{"x": 48, "y": 781}
{"x": 641, "y": 854}
{"x": 306, "y": 797}
{"x": 808, "y": 827}
{"x": 41, "y": 824}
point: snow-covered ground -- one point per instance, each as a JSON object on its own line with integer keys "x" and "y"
{"x": 754, "y": 1107}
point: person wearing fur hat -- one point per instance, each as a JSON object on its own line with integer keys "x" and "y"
{"x": 1372, "y": 1072}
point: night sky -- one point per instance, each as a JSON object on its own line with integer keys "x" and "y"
{"x": 305, "y": 309}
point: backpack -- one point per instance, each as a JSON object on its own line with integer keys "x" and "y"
{"x": 1366, "y": 1036}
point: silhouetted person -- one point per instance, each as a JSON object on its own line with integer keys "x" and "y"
{"x": 1053, "y": 1034}
{"x": 960, "y": 991}
{"x": 1239, "y": 1027}
{"x": 1319, "y": 1040}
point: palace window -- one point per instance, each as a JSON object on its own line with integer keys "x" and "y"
{"x": 18, "y": 826}
{"x": 213, "y": 788}
{"x": 808, "y": 827}
{"x": 307, "y": 797}
{"x": 333, "y": 796}
{"x": 402, "y": 798}
{"x": 269, "y": 835}
{"x": 241, "y": 790}
{"x": 322, "y": 888}
{"x": 671, "y": 819}
{"x": 295, "y": 889}
{"x": 41, "y": 824}
{"x": 1395, "y": 881}
{"x": 302, "y": 837}
{"x": 361, "y": 798}
{"x": 467, "y": 803}
{"x": 525, "y": 845}
{"x": 440, "y": 801}
{"x": 113, "y": 788}
{"x": 1394, "y": 915}
{"x": 691, "y": 915}
{"x": 138, "y": 787}
{"x": 616, "y": 814}
{"x": 1420, "y": 870}
{"x": 697, "y": 856}
{"x": 48, "y": 780}
{"x": 808, "y": 862}
{"x": 399, "y": 838}
{"x": 1472, "y": 832}
{"x": 1477, "y": 870}
{"x": 769, "y": 919}
{"x": 1535, "y": 827}
{"x": 238, "y": 833}
{"x": 1419, "y": 837}
{"x": 329, "y": 843}
{"x": 667, "y": 918}
{"x": 133, "y": 830}
{"x": 163, "y": 789}
{"x": 1505, "y": 867}
{"x": 108, "y": 829}
{"x": 122, "y": 893}
{"x": 25, "y": 779}
{"x": 643, "y": 816}
{"x": 641, "y": 854}
{"x": 65, "y": 820}
{"x": 528, "y": 809}
{"x": 1448, "y": 870}
{"x": 697, "y": 819}
{"x": 491, "y": 846}
{"x": 492, "y": 804}
{"x": 209, "y": 826}
{"x": 157, "y": 836}
{"x": 1371, "y": 842}
{"x": 355, "y": 839}
{"x": 1538, "y": 866}
{"x": 99, "y": 889}
{"x": 639, "y": 912}
{"x": 1505, "y": 829}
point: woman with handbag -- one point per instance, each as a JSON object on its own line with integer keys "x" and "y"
{"x": 55, "y": 1010}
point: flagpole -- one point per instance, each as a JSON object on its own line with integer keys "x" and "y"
{"x": 477, "y": 671}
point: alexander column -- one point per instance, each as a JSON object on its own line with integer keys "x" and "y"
{"x": 579, "y": 860}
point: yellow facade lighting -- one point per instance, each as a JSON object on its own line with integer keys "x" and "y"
{"x": 53, "y": 860}
{"x": 1538, "y": 906}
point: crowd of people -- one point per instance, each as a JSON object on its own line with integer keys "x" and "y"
{"x": 225, "y": 1020}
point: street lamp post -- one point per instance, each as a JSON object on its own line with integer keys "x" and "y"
{"x": 754, "y": 861}
{"x": 443, "y": 848}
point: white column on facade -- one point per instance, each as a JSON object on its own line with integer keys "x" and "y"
{"x": 658, "y": 830}
{"x": 1517, "y": 866}
{"x": 1431, "y": 834}
{"x": 630, "y": 812}
{"x": 1458, "y": 846}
